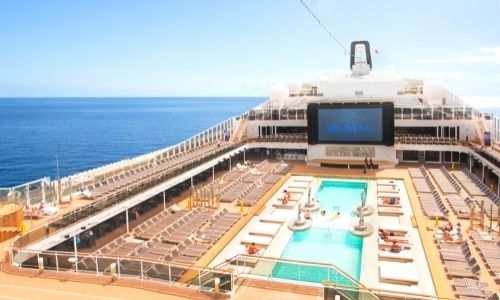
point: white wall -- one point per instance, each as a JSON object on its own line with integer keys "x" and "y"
{"x": 346, "y": 89}
{"x": 381, "y": 152}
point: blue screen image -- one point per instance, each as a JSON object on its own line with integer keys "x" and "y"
{"x": 350, "y": 124}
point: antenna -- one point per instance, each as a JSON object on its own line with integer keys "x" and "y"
{"x": 325, "y": 28}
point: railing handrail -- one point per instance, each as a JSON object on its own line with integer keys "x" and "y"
{"x": 129, "y": 258}
{"x": 301, "y": 262}
{"x": 386, "y": 291}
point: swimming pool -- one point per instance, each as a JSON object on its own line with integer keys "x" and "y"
{"x": 330, "y": 245}
{"x": 340, "y": 195}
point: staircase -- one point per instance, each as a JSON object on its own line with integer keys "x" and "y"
{"x": 481, "y": 128}
{"x": 240, "y": 132}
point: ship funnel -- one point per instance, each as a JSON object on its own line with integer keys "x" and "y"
{"x": 361, "y": 60}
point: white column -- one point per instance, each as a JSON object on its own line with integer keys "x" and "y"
{"x": 213, "y": 173}
{"x": 230, "y": 163}
{"x": 126, "y": 220}
{"x": 470, "y": 162}
{"x": 483, "y": 173}
{"x": 74, "y": 245}
{"x": 164, "y": 201}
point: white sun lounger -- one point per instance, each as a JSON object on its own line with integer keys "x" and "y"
{"x": 396, "y": 272}
{"x": 389, "y": 195}
{"x": 387, "y": 189}
{"x": 394, "y": 227}
{"x": 403, "y": 255}
{"x": 265, "y": 229}
{"x": 387, "y": 287}
{"x": 390, "y": 211}
{"x": 303, "y": 179}
{"x": 381, "y": 203}
{"x": 390, "y": 182}
{"x": 257, "y": 239}
{"x": 272, "y": 219}
{"x": 299, "y": 184}
{"x": 289, "y": 205}
{"x": 295, "y": 189}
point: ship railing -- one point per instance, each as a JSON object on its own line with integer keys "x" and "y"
{"x": 274, "y": 114}
{"x": 435, "y": 113}
{"x": 280, "y": 138}
{"x": 87, "y": 211}
{"x": 297, "y": 272}
{"x": 115, "y": 267}
{"x": 220, "y": 131}
{"x": 28, "y": 194}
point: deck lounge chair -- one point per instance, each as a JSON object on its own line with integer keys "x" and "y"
{"x": 400, "y": 273}
{"x": 401, "y": 228}
{"x": 258, "y": 240}
{"x": 272, "y": 219}
{"x": 403, "y": 255}
{"x": 265, "y": 229}
{"x": 390, "y": 211}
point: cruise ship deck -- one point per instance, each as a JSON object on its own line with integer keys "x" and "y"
{"x": 361, "y": 187}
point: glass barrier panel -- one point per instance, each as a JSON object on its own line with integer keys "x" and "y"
{"x": 87, "y": 264}
{"x": 447, "y": 113}
{"x": 417, "y": 113}
{"x": 104, "y": 265}
{"x": 438, "y": 114}
{"x": 398, "y": 113}
{"x": 406, "y": 113}
{"x": 427, "y": 113}
{"x": 66, "y": 261}
{"x": 50, "y": 260}
{"x": 130, "y": 268}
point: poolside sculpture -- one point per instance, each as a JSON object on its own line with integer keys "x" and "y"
{"x": 363, "y": 209}
{"x": 361, "y": 228}
{"x": 300, "y": 223}
{"x": 311, "y": 204}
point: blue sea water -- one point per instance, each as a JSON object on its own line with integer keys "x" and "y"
{"x": 90, "y": 132}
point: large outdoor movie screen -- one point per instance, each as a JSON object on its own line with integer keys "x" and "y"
{"x": 350, "y": 124}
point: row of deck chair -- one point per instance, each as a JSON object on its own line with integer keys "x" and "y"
{"x": 450, "y": 178}
{"x": 461, "y": 206}
{"x": 459, "y": 261}
{"x": 426, "y": 140}
{"x": 480, "y": 192}
{"x": 467, "y": 183}
{"x": 494, "y": 198}
{"x": 430, "y": 200}
{"x": 489, "y": 250}
{"x": 251, "y": 186}
{"x": 473, "y": 289}
{"x": 154, "y": 168}
{"x": 445, "y": 185}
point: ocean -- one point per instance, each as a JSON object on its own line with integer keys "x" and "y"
{"x": 90, "y": 132}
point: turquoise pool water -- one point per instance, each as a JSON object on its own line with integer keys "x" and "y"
{"x": 326, "y": 245}
{"x": 340, "y": 195}
{"x": 338, "y": 247}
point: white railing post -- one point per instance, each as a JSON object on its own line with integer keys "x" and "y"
{"x": 142, "y": 272}
{"x": 96, "y": 266}
{"x": 169, "y": 275}
{"x": 199, "y": 279}
{"x": 118, "y": 266}
{"x": 57, "y": 262}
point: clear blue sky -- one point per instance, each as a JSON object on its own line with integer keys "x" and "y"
{"x": 237, "y": 48}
